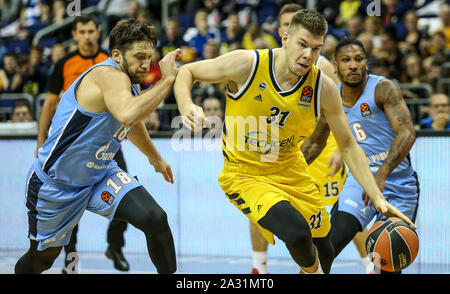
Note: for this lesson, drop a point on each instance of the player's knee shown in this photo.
(155, 222)
(344, 227)
(298, 238)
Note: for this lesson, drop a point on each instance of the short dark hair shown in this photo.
(20, 103)
(128, 31)
(311, 20)
(348, 41)
(289, 8)
(84, 19)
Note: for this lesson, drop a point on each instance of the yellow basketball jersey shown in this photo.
(263, 124)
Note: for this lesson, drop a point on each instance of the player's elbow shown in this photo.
(127, 118)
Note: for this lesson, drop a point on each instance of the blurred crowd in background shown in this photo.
(407, 41)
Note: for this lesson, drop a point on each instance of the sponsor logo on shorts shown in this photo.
(107, 197)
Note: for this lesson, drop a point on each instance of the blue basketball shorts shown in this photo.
(55, 209)
(401, 192)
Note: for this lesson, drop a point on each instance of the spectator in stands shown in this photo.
(9, 10)
(213, 8)
(367, 40)
(12, 81)
(374, 26)
(231, 34)
(58, 11)
(212, 107)
(30, 78)
(3, 51)
(394, 56)
(354, 26)
(86, 33)
(393, 12)
(413, 72)
(348, 9)
(432, 66)
(211, 50)
(380, 67)
(152, 122)
(444, 15)
(413, 36)
(118, 9)
(173, 37)
(439, 45)
(40, 66)
(58, 51)
(329, 45)
(196, 37)
(31, 12)
(254, 32)
(439, 112)
(21, 112)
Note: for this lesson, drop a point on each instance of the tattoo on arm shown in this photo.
(313, 146)
(389, 98)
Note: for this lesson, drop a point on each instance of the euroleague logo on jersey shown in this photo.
(107, 197)
(366, 113)
(307, 94)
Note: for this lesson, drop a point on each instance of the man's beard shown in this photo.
(133, 78)
(354, 84)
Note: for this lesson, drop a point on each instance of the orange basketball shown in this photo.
(392, 245)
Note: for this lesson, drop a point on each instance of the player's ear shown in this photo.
(116, 55)
(284, 38)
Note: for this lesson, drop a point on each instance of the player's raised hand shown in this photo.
(336, 162)
(168, 66)
(161, 166)
(194, 118)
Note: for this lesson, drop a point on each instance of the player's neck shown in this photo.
(350, 95)
(285, 78)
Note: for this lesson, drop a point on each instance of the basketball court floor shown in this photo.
(97, 263)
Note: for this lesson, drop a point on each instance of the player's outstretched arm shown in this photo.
(232, 68)
(140, 138)
(354, 156)
(128, 109)
(313, 146)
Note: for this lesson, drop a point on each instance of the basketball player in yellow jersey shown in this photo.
(274, 96)
(330, 183)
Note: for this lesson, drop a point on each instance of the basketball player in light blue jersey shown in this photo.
(381, 124)
(75, 170)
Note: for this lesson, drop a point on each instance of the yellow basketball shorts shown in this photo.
(255, 194)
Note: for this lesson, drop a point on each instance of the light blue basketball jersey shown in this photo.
(372, 129)
(75, 170)
(81, 144)
(374, 134)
